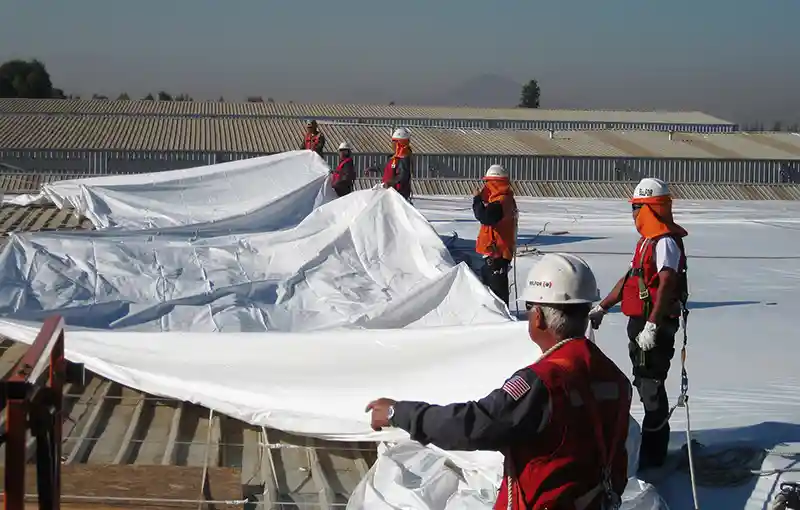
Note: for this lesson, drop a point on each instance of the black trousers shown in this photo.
(494, 274)
(650, 371)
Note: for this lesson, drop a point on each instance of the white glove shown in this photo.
(596, 315)
(647, 338)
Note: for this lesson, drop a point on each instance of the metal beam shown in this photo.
(169, 450)
(125, 445)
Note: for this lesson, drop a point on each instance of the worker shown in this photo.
(343, 178)
(397, 172)
(561, 423)
(496, 210)
(314, 139)
(653, 295)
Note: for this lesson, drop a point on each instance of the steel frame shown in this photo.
(34, 403)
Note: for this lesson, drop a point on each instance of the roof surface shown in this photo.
(263, 135)
(119, 442)
(303, 110)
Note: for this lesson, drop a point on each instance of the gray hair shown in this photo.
(566, 321)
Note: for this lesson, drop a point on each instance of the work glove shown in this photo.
(596, 315)
(646, 339)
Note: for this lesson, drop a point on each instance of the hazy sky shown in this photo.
(734, 58)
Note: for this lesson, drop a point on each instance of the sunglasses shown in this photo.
(528, 306)
(636, 207)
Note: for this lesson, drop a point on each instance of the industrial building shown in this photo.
(72, 145)
(388, 115)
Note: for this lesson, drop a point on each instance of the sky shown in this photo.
(732, 58)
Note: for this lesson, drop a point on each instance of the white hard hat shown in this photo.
(401, 134)
(496, 171)
(560, 279)
(344, 146)
(649, 188)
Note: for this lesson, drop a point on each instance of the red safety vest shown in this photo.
(641, 284)
(580, 455)
(389, 172)
(338, 174)
(311, 141)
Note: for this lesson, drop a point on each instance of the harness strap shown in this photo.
(607, 457)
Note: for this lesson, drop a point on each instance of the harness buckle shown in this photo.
(612, 501)
(644, 294)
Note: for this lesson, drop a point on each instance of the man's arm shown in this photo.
(488, 424)
(490, 214)
(615, 296)
(320, 143)
(668, 259)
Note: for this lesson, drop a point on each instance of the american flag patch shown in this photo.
(516, 387)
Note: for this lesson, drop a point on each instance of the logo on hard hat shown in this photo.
(645, 192)
(540, 283)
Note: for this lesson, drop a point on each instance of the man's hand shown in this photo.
(596, 315)
(384, 185)
(477, 191)
(647, 338)
(380, 412)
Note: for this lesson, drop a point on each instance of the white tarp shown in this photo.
(282, 271)
(367, 260)
(254, 194)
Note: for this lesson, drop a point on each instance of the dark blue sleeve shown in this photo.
(522, 404)
(488, 214)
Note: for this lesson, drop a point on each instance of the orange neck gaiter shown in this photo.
(655, 218)
(402, 149)
(494, 188)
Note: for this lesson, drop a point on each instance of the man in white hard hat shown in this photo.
(344, 176)
(653, 295)
(313, 140)
(496, 210)
(397, 172)
(561, 423)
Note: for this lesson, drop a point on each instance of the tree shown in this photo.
(795, 128)
(124, 97)
(100, 97)
(777, 126)
(148, 97)
(255, 99)
(270, 100)
(183, 97)
(530, 95)
(28, 79)
(164, 96)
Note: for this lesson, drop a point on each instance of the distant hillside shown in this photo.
(486, 90)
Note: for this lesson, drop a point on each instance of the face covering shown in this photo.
(655, 218)
(494, 189)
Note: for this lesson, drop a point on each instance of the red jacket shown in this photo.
(586, 432)
(341, 172)
(644, 274)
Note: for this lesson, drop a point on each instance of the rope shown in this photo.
(729, 466)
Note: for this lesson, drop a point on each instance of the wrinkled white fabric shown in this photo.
(253, 194)
(367, 260)
(409, 475)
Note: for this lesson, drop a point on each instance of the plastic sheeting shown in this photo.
(257, 246)
(232, 263)
(409, 475)
(255, 194)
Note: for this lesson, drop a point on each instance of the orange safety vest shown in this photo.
(500, 241)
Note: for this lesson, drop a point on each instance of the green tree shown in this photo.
(164, 96)
(28, 79)
(100, 97)
(124, 97)
(183, 97)
(255, 99)
(148, 97)
(221, 99)
(778, 126)
(530, 95)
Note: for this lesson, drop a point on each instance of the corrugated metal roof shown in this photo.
(118, 442)
(348, 111)
(262, 135)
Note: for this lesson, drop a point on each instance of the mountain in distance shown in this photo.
(483, 91)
